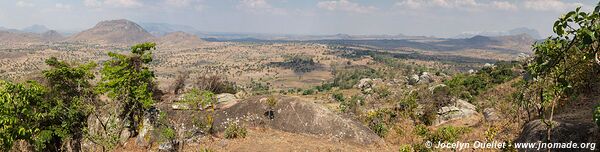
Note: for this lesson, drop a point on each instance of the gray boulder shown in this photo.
(459, 110)
(225, 97)
(414, 79)
(180, 106)
(491, 115)
(563, 132)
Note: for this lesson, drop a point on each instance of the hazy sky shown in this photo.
(443, 18)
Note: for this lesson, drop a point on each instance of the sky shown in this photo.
(440, 18)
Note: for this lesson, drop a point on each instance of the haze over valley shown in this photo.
(315, 75)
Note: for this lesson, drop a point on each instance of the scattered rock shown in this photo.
(241, 94)
(464, 104)
(425, 78)
(414, 79)
(460, 110)
(167, 147)
(365, 83)
(436, 86)
(180, 106)
(490, 114)
(225, 97)
(125, 134)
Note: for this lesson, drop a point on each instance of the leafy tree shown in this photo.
(47, 117)
(71, 94)
(23, 107)
(566, 62)
(127, 79)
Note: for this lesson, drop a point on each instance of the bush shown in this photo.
(447, 134)
(338, 96)
(235, 131)
(421, 130)
(347, 78)
(271, 102)
(408, 104)
(467, 86)
(351, 104)
(299, 64)
(382, 90)
(216, 85)
(377, 119)
(200, 98)
(308, 92)
(259, 88)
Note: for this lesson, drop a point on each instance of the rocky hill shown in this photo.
(51, 36)
(113, 32)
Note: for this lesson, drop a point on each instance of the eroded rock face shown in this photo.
(295, 115)
(461, 109)
(563, 132)
(491, 114)
(225, 97)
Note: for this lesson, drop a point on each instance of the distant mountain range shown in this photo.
(168, 35)
(14, 37)
(127, 32)
(36, 28)
(531, 32)
(160, 29)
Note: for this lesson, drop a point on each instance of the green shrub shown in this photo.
(447, 134)
(421, 130)
(351, 104)
(338, 96)
(234, 130)
(376, 120)
(324, 87)
(405, 148)
(308, 92)
(347, 78)
(259, 88)
(167, 134)
(467, 86)
(199, 98)
(382, 90)
(408, 104)
(380, 129)
(216, 84)
(271, 101)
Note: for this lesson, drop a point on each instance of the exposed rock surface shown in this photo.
(491, 114)
(563, 132)
(461, 109)
(295, 115)
(225, 97)
(414, 79)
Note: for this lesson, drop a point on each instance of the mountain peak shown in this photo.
(120, 31)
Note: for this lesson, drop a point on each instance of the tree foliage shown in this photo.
(568, 62)
(127, 79)
(47, 117)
